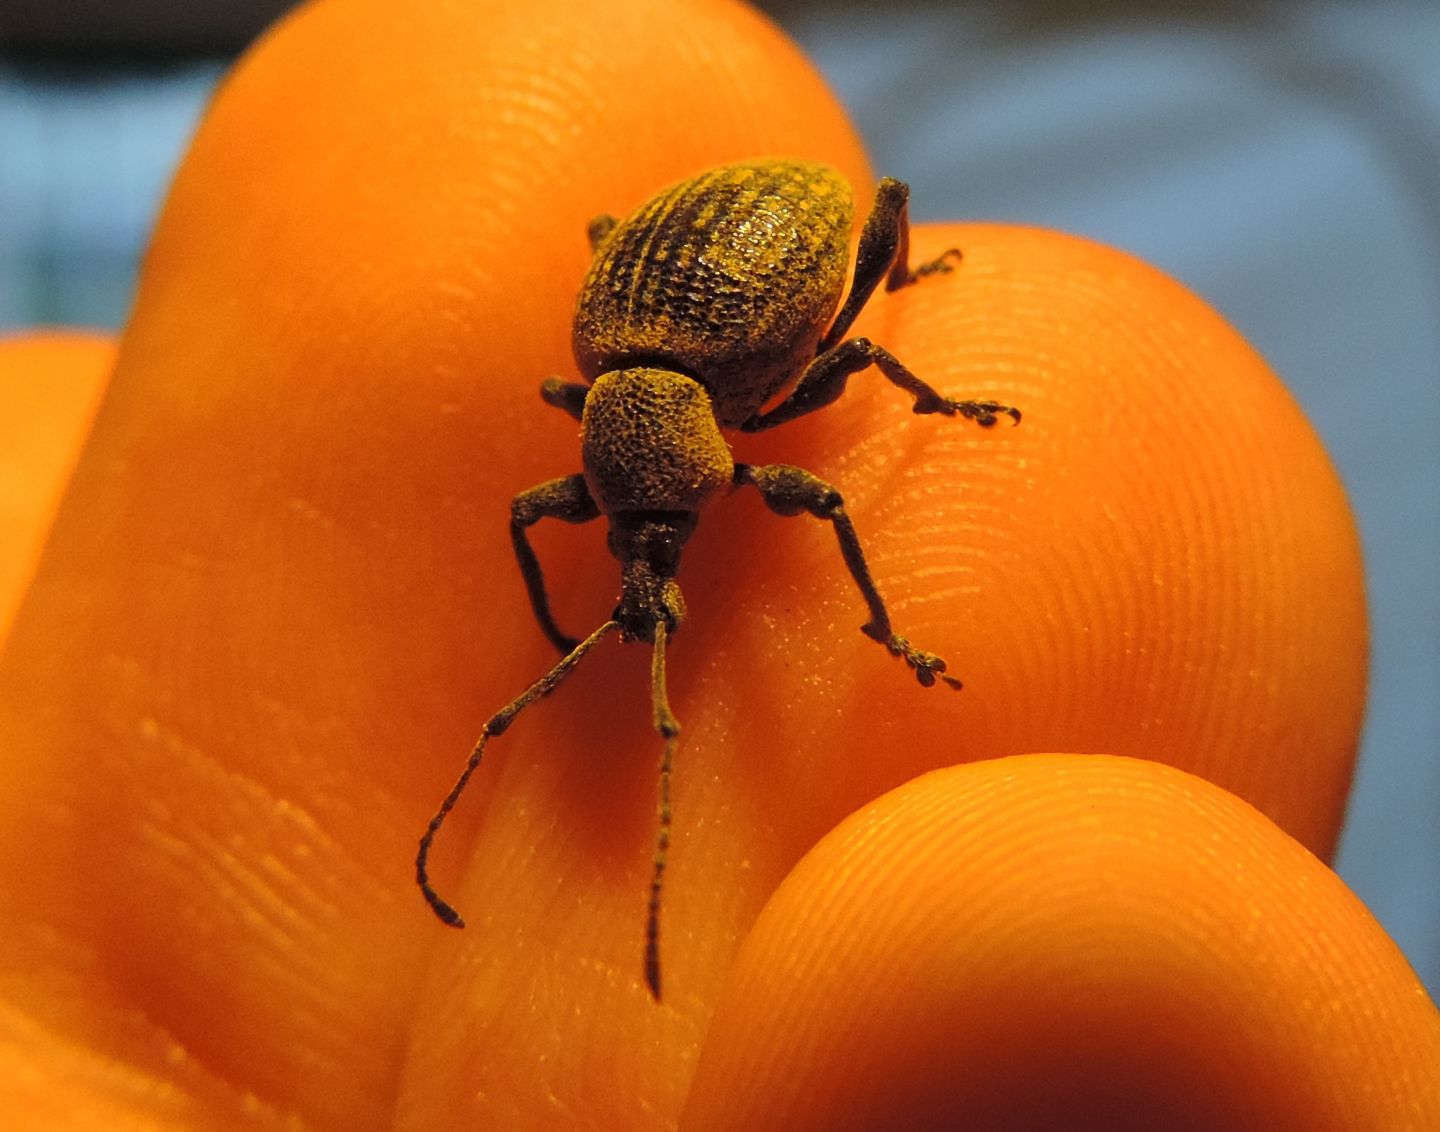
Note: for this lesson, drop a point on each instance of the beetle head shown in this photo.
(648, 546)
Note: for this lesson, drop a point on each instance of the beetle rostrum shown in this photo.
(699, 308)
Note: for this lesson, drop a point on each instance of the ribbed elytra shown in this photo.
(699, 307)
(730, 277)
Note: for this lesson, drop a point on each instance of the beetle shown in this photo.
(698, 309)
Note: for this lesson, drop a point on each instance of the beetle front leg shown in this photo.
(567, 499)
(788, 490)
(824, 380)
(567, 395)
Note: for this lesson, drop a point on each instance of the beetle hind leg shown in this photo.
(884, 253)
(788, 490)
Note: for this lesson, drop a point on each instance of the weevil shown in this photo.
(698, 309)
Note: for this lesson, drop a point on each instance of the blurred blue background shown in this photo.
(1282, 159)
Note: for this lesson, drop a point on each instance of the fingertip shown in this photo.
(51, 382)
(1180, 569)
(1067, 941)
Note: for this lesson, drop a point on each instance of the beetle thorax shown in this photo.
(650, 442)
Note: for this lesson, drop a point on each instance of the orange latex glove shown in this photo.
(279, 601)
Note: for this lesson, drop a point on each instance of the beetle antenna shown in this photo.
(494, 726)
(669, 728)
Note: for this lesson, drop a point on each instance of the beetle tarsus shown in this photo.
(986, 414)
(446, 913)
(942, 264)
(928, 666)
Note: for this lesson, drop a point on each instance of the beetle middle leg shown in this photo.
(567, 499)
(824, 380)
(788, 490)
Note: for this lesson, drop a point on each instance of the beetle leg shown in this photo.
(901, 274)
(884, 248)
(884, 253)
(824, 380)
(788, 490)
(567, 395)
(942, 264)
(599, 228)
(567, 499)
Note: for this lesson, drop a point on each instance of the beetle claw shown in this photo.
(928, 667)
(986, 414)
(941, 265)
